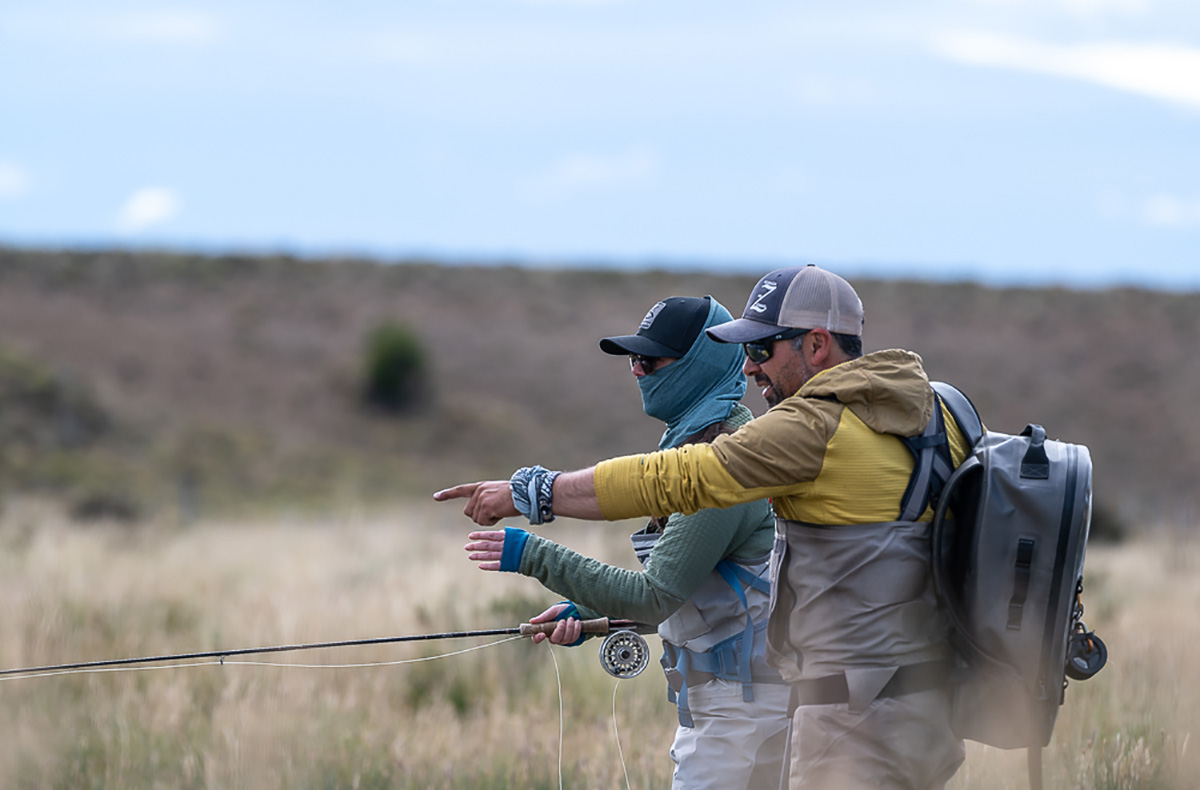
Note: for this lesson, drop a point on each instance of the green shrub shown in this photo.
(395, 368)
(106, 505)
(41, 407)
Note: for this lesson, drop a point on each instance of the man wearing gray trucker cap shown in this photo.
(854, 623)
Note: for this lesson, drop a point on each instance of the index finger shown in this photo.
(492, 535)
(461, 491)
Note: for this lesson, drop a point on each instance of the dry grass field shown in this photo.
(420, 718)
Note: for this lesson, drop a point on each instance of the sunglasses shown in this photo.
(648, 363)
(759, 351)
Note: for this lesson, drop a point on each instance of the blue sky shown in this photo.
(1007, 141)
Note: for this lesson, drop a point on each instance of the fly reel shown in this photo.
(624, 654)
(1086, 654)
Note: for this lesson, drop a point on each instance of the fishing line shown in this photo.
(215, 663)
(623, 654)
(617, 735)
(562, 718)
(561, 715)
(372, 663)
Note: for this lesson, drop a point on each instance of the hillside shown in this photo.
(149, 381)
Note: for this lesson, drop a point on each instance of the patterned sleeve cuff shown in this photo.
(533, 493)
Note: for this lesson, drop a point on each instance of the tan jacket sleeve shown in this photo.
(777, 454)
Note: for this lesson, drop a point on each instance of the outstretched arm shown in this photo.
(678, 564)
(490, 501)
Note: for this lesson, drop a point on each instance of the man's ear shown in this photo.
(823, 346)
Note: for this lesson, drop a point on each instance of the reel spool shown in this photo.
(1086, 654)
(624, 654)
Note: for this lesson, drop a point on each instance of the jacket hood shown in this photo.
(887, 390)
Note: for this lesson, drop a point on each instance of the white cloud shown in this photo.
(171, 26)
(574, 2)
(148, 206)
(1171, 211)
(1166, 72)
(589, 173)
(403, 47)
(820, 90)
(14, 181)
(88, 26)
(608, 37)
(1081, 7)
(1160, 210)
(1089, 7)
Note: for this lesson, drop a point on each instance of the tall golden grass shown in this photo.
(487, 718)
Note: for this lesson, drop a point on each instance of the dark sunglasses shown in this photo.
(759, 351)
(648, 363)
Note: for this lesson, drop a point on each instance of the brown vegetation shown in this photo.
(210, 381)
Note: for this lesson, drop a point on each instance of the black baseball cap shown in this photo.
(796, 297)
(668, 330)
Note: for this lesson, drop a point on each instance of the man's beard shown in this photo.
(774, 395)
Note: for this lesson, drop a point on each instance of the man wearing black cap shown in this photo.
(704, 581)
(854, 622)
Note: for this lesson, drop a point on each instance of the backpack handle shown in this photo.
(1035, 465)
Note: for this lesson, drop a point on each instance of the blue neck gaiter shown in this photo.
(697, 389)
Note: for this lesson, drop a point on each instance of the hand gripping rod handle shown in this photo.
(600, 625)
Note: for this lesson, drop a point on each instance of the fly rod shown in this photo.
(600, 625)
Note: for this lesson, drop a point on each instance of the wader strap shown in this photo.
(733, 573)
(729, 659)
(725, 660)
(726, 567)
(684, 667)
(833, 689)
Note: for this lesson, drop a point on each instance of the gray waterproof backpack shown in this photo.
(1009, 533)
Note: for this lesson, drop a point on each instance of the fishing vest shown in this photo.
(720, 631)
(850, 606)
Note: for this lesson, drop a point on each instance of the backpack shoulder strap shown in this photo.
(930, 466)
(931, 449)
(966, 416)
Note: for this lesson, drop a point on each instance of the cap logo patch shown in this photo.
(768, 287)
(650, 316)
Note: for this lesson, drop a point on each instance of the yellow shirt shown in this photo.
(830, 454)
